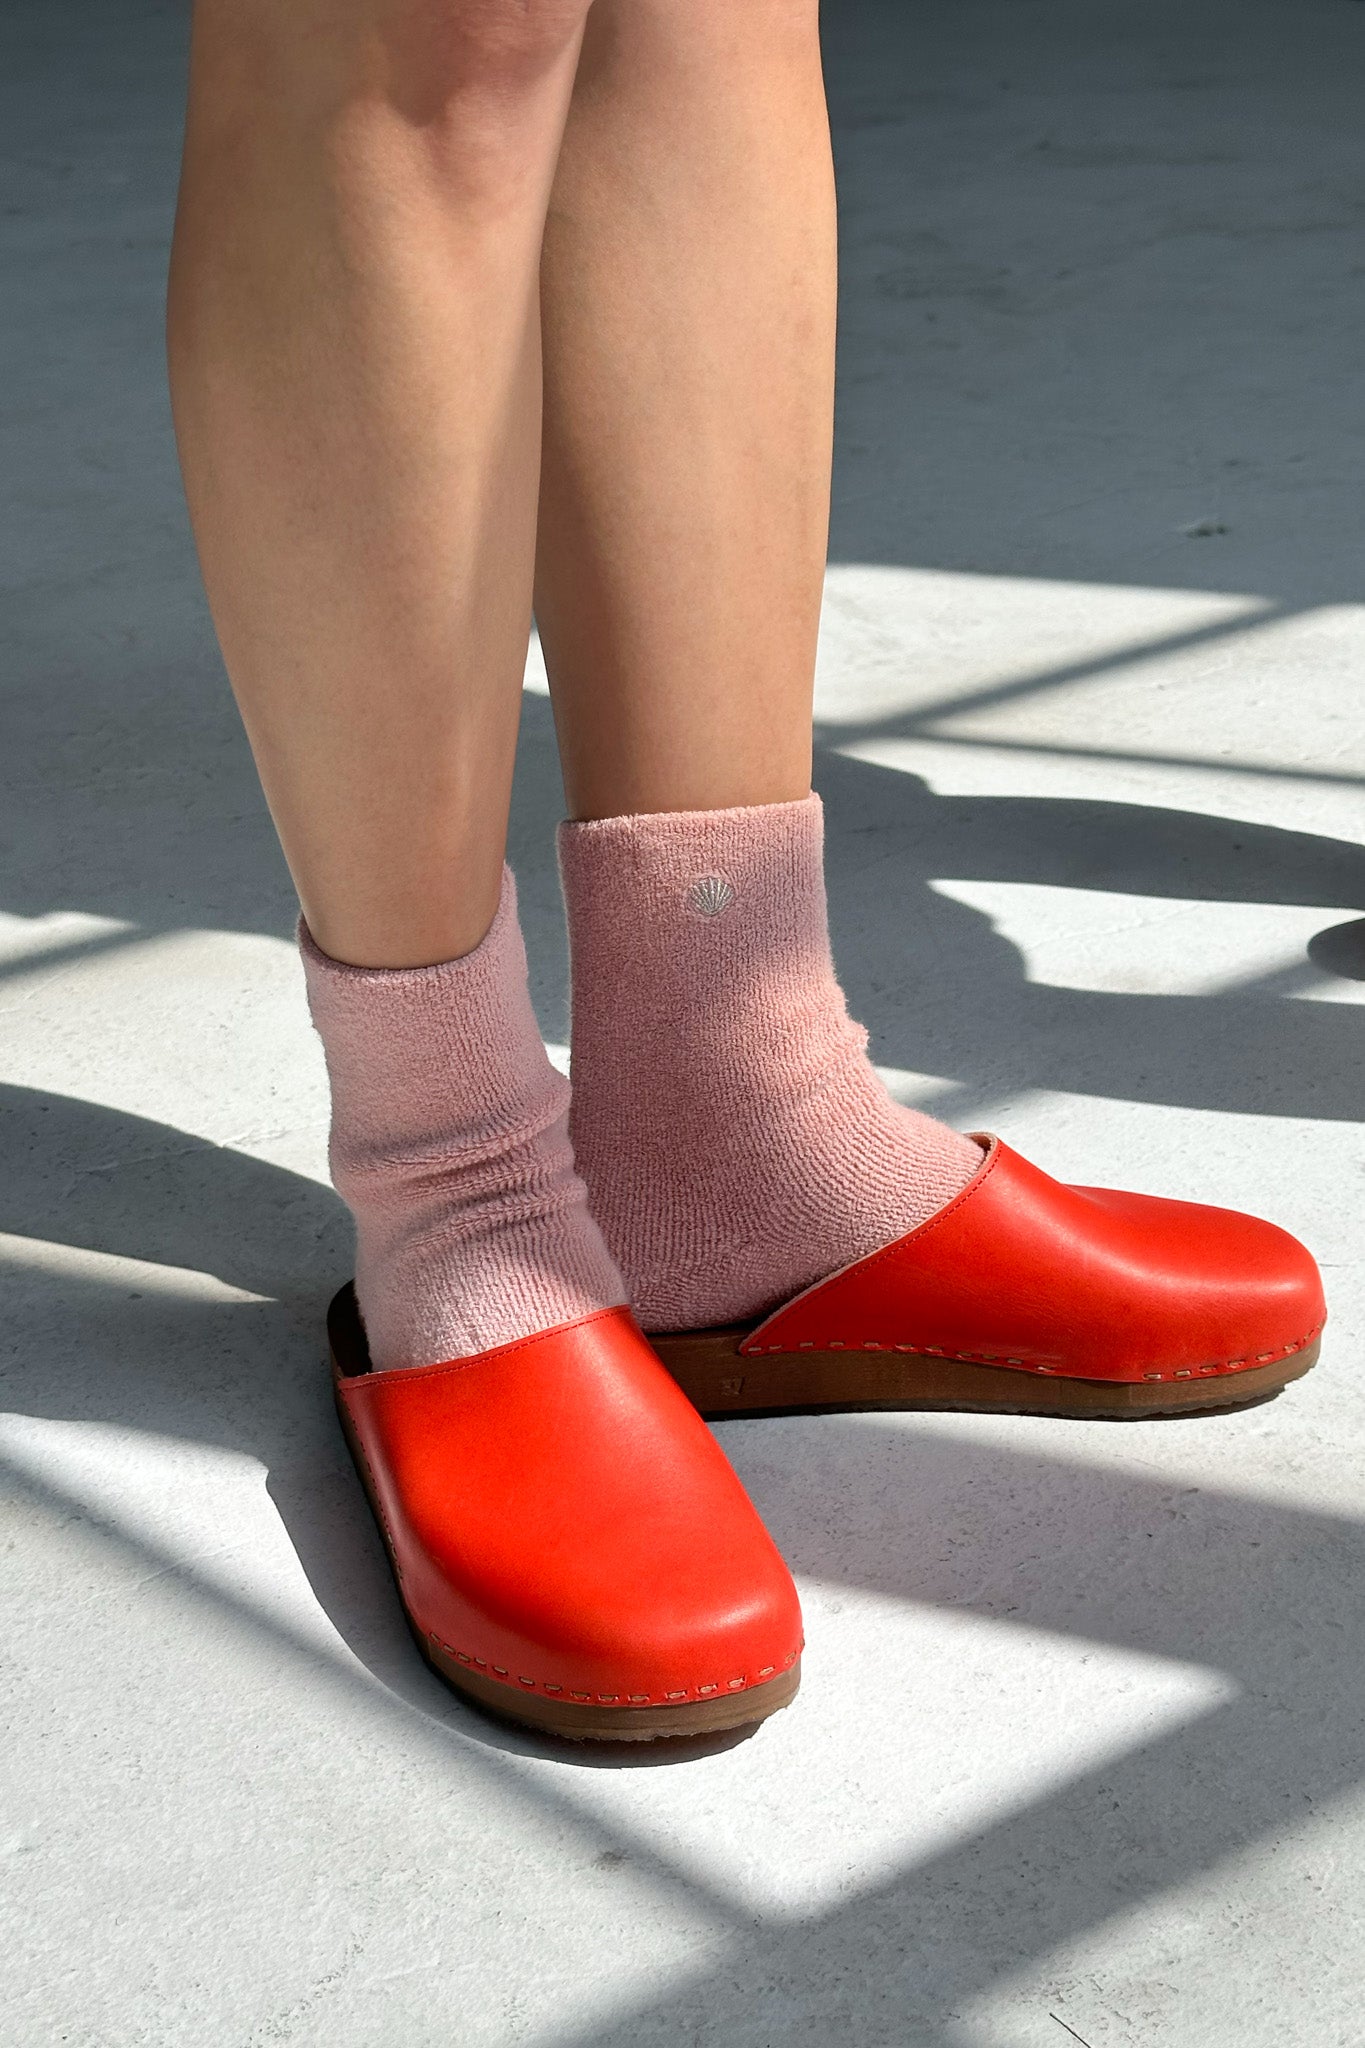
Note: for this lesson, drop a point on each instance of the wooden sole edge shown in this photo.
(576, 1723)
(720, 1381)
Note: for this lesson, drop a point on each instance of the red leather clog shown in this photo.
(570, 1544)
(1027, 1296)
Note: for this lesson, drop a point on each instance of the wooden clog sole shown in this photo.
(720, 1380)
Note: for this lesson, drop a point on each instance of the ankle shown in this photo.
(450, 1146)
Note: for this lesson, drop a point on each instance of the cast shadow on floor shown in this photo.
(941, 990)
(1271, 1597)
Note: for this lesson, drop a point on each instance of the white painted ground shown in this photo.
(1080, 1745)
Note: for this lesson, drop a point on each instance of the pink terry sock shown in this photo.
(450, 1145)
(735, 1140)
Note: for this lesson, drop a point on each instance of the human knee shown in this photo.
(497, 35)
(438, 51)
(256, 59)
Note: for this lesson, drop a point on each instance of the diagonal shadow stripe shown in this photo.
(908, 724)
(944, 992)
(52, 961)
(419, 1701)
(895, 1965)
(1272, 1595)
(1222, 764)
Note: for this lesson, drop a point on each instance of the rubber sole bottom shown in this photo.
(719, 1381)
(567, 1719)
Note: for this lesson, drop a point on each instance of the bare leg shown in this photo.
(688, 305)
(355, 357)
(355, 362)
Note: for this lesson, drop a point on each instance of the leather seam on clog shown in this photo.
(405, 1374)
(932, 1223)
(1051, 1371)
(503, 1674)
(869, 1259)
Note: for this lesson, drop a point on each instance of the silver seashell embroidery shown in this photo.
(710, 896)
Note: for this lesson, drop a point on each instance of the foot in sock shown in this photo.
(736, 1142)
(450, 1146)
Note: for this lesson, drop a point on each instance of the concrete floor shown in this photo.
(1079, 1754)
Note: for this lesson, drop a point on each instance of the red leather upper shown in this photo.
(562, 1520)
(1023, 1271)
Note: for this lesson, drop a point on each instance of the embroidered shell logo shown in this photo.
(710, 896)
